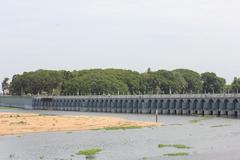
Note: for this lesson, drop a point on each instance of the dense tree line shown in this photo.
(118, 81)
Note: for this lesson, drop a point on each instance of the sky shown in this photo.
(202, 35)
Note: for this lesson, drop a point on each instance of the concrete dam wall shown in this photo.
(24, 102)
(204, 104)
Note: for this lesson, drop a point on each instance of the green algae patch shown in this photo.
(176, 154)
(179, 146)
(89, 152)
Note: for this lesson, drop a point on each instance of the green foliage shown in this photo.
(116, 81)
(212, 83)
(89, 152)
(235, 87)
(162, 81)
(193, 80)
(36, 82)
(5, 85)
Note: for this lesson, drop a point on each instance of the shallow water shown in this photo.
(214, 138)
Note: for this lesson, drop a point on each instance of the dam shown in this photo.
(227, 105)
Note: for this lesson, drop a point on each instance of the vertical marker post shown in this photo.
(156, 115)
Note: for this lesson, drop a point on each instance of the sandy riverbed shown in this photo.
(19, 123)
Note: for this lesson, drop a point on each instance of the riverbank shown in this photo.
(21, 123)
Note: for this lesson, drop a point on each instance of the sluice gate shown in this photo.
(194, 104)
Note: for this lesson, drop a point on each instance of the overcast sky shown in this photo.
(202, 35)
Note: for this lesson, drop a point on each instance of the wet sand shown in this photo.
(20, 123)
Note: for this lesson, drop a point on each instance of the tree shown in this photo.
(162, 81)
(228, 89)
(114, 81)
(235, 86)
(193, 80)
(5, 85)
(16, 85)
(212, 83)
(149, 70)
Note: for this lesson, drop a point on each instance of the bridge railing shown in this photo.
(149, 96)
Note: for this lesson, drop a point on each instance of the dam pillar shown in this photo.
(206, 107)
(78, 104)
(236, 106)
(135, 106)
(98, 105)
(85, 105)
(193, 107)
(130, 106)
(148, 106)
(186, 107)
(160, 106)
(109, 105)
(200, 107)
(172, 107)
(124, 106)
(105, 102)
(223, 108)
(230, 108)
(113, 106)
(166, 104)
(209, 107)
(154, 106)
(95, 105)
(101, 105)
(119, 105)
(144, 106)
(180, 106)
(216, 107)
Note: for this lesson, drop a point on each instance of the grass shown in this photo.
(179, 146)
(89, 152)
(122, 127)
(176, 154)
(221, 125)
(13, 108)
